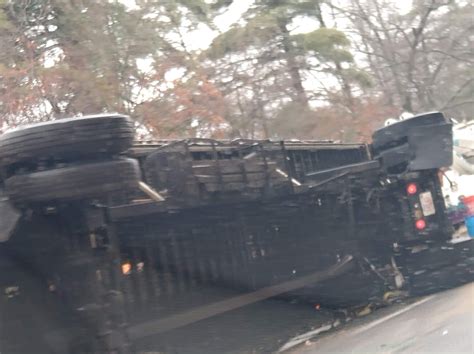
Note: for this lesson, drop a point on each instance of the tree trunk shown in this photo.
(293, 69)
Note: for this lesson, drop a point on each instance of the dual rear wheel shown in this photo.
(89, 147)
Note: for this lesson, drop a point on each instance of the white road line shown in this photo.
(392, 315)
(309, 335)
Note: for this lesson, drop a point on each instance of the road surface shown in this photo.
(440, 323)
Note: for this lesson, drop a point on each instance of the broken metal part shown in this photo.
(293, 180)
(150, 192)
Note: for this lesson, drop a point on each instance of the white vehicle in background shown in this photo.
(463, 159)
(461, 174)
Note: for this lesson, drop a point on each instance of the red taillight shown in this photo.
(420, 224)
(412, 188)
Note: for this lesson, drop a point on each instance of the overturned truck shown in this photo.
(106, 243)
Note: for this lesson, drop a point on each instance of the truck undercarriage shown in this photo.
(117, 254)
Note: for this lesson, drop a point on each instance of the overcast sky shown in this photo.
(202, 37)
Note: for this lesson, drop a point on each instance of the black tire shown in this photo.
(74, 183)
(389, 136)
(67, 138)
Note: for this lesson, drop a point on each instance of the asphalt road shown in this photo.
(440, 323)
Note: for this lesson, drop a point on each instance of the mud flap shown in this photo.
(9, 217)
(420, 143)
(388, 136)
(432, 146)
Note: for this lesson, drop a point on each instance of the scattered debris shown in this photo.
(364, 311)
(12, 291)
(394, 295)
(305, 337)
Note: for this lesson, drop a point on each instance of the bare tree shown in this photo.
(420, 59)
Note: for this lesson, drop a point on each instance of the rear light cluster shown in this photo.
(412, 188)
(420, 223)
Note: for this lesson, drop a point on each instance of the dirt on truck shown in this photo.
(108, 243)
